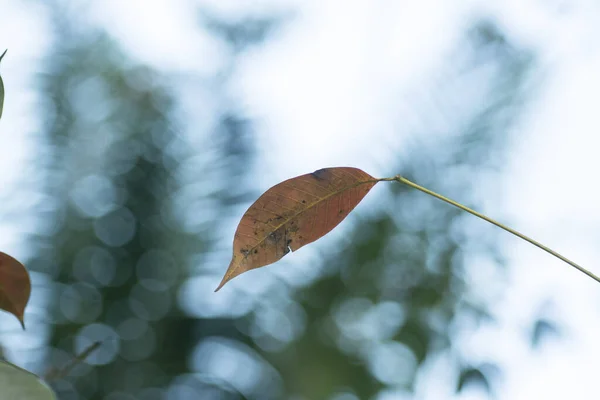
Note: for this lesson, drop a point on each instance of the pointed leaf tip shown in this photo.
(15, 287)
(229, 275)
(21, 319)
(223, 282)
(294, 213)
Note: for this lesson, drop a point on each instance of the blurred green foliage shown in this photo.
(132, 217)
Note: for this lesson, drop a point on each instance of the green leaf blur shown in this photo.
(136, 196)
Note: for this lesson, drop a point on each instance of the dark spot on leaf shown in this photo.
(303, 201)
(320, 174)
(244, 252)
(255, 251)
(276, 236)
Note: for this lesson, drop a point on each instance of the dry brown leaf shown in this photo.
(294, 213)
(15, 286)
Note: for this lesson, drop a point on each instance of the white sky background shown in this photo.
(550, 187)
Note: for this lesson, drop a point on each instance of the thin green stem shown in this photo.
(401, 179)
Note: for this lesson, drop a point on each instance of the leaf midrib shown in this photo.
(309, 207)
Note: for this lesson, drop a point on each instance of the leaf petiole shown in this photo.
(405, 181)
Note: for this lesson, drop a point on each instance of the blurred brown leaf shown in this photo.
(294, 213)
(15, 286)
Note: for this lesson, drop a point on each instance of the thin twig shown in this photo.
(55, 374)
(401, 179)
